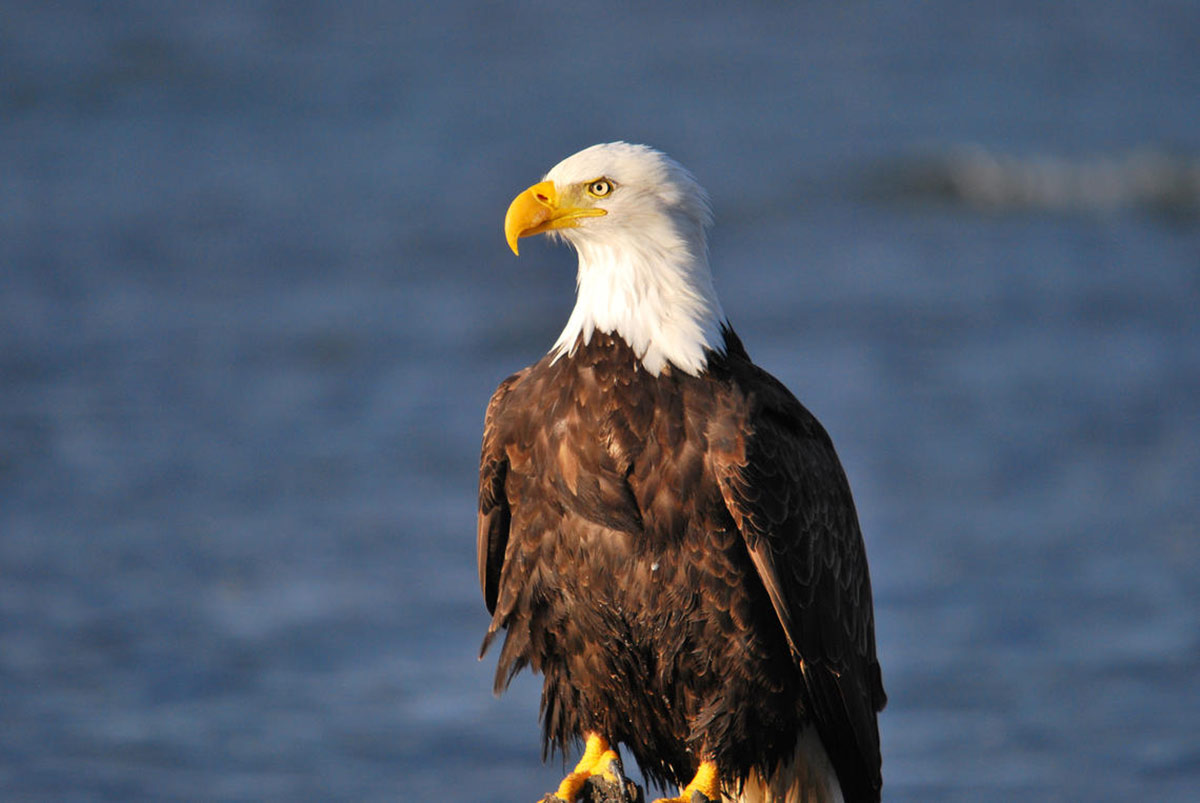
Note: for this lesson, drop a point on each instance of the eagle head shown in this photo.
(609, 191)
(639, 221)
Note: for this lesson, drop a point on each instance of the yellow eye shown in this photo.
(600, 188)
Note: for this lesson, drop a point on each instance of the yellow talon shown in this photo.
(597, 759)
(707, 782)
(605, 764)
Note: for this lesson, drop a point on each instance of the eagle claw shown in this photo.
(597, 778)
(598, 789)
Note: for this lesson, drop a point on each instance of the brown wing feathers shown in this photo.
(786, 491)
(494, 514)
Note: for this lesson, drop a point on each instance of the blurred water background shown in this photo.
(254, 297)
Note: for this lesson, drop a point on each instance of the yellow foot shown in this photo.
(707, 782)
(598, 759)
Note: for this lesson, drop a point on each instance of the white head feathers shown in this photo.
(643, 266)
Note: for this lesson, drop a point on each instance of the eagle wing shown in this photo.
(494, 514)
(786, 491)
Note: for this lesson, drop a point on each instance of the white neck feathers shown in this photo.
(653, 288)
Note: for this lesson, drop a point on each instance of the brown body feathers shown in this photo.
(679, 556)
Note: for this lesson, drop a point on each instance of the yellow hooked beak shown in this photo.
(537, 210)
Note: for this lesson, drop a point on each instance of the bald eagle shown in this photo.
(665, 533)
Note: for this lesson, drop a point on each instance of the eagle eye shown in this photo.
(600, 188)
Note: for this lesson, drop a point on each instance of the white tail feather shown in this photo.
(808, 778)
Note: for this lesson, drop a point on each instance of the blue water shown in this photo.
(254, 297)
